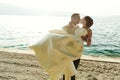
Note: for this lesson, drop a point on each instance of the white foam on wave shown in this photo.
(85, 57)
(29, 51)
(102, 58)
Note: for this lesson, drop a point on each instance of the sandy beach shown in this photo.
(21, 66)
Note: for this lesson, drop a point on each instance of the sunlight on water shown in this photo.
(32, 23)
(19, 31)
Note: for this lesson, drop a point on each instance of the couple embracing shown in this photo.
(59, 51)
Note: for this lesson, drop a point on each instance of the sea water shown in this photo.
(18, 32)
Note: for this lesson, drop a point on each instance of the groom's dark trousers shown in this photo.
(76, 63)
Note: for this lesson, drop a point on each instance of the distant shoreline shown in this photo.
(85, 57)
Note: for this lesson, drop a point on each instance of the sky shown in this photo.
(60, 7)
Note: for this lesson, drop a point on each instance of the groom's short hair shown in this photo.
(75, 15)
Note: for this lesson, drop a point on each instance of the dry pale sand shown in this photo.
(16, 66)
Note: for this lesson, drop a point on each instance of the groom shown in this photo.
(70, 28)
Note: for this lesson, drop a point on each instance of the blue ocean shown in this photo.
(18, 32)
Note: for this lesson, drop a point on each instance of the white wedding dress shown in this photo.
(56, 51)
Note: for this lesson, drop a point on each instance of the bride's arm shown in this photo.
(89, 37)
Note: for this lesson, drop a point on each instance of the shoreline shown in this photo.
(84, 57)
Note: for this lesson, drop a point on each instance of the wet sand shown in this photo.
(20, 66)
